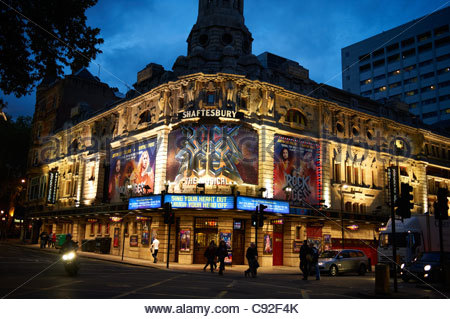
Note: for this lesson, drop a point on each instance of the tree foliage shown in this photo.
(38, 38)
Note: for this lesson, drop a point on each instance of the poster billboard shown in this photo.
(297, 170)
(213, 155)
(132, 170)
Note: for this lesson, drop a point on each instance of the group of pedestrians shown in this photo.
(48, 240)
(211, 252)
(309, 259)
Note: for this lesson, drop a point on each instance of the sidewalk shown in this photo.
(193, 268)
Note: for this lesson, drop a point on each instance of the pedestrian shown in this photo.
(49, 242)
(305, 259)
(54, 240)
(210, 254)
(155, 247)
(44, 238)
(221, 253)
(252, 259)
(315, 260)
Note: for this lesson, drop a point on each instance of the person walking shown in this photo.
(221, 253)
(315, 260)
(155, 247)
(252, 259)
(49, 242)
(44, 238)
(305, 259)
(210, 254)
(54, 240)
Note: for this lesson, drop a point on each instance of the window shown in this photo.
(411, 93)
(425, 63)
(408, 53)
(410, 80)
(428, 115)
(42, 186)
(298, 233)
(364, 67)
(424, 36)
(210, 98)
(355, 208)
(356, 175)
(364, 57)
(443, 57)
(441, 30)
(393, 58)
(378, 52)
(409, 68)
(444, 98)
(425, 47)
(33, 191)
(145, 117)
(394, 85)
(295, 116)
(427, 75)
(441, 42)
(366, 93)
(394, 73)
(67, 191)
(349, 174)
(413, 105)
(368, 81)
(429, 101)
(428, 88)
(382, 89)
(378, 63)
(348, 207)
(374, 179)
(379, 77)
(392, 47)
(443, 71)
(363, 176)
(407, 42)
(444, 84)
(337, 172)
(403, 171)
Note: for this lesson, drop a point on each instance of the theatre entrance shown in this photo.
(238, 245)
(205, 230)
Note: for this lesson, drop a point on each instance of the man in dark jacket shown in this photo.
(44, 239)
(251, 255)
(315, 260)
(305, 259)
(210, 254)
(221, 253)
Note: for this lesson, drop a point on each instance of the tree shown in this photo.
(41, 37)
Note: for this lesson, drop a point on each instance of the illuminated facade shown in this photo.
(223, 128)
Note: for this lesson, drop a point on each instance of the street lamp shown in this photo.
(343, 186)
(288, 192)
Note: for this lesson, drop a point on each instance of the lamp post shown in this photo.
(287, 192)
(343, 186)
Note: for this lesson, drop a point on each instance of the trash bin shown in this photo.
(84, 244)
(105, 246)
(98, 244)
(60, 240)
(382, 279)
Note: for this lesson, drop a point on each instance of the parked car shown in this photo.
(335, 262)
(426, 266)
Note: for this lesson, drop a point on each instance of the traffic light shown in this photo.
(254, 219)
(403, 203)
(261, 215)
(441, 206)
(169, 216)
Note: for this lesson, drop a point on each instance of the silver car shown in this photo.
(341, 261)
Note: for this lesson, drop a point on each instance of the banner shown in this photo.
(132, 170)
(297, 170)
(213, 155)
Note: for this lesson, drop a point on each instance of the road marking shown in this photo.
(146, 287)
(62, 285)
(221, 294)
(231, 285)
(304, 294)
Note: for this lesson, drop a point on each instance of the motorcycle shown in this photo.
(70, 262)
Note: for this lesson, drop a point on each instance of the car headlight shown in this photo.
(69, 256)
(427, 268)
(402, 266)
(320, 263)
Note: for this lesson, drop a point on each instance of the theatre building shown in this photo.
(221, 133)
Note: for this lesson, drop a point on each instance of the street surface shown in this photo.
(31, 273)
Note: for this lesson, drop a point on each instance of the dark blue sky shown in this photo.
(137, 32)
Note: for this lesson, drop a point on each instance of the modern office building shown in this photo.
(410, 63)
(221, 133)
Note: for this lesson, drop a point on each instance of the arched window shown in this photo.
(296, 117)
(145, 117)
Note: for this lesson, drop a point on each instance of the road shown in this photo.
(30, 273)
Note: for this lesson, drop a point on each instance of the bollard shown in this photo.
(382, 279)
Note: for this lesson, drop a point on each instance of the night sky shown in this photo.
(312, 33)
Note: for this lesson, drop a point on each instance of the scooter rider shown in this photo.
(68, 245)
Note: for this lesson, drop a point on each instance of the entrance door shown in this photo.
(238, 247)
(202, 239)
(278, 249)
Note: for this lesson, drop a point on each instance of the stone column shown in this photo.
(266, 149)
(422, 190)
(161, 160)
